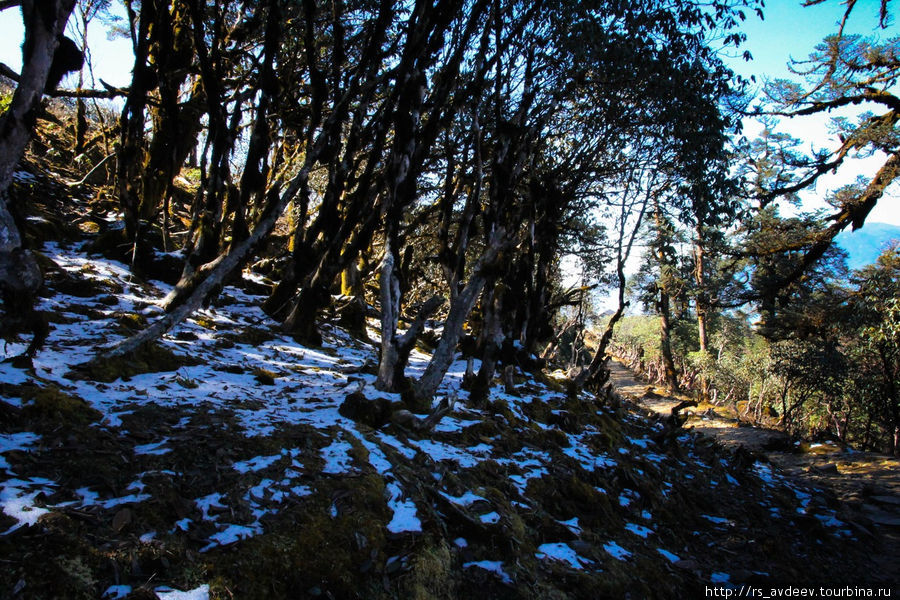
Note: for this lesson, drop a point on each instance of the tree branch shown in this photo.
(109, 92)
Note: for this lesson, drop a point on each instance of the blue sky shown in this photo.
(113, 60)
(791, 30)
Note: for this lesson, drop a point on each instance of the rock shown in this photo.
(880, 517)
(581, 546)
(859, 529)
(374, 413)
(889, 500)
(826, 469)
(121, 519)
(687, 564)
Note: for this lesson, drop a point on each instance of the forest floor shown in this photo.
(218, 463)
(866, 484)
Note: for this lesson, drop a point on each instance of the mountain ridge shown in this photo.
(867, 243)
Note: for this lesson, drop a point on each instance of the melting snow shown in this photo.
(200, 593)
(640, 442)
(466, 458)
(669, 556)
(337, 457)
(19, 505)
(115, 592)
(231, 534)
(494, 566)
(405, 518)
(490, 518)
(616, 551)
(154, 448)
(255, 464)
(148, 537)
(403, 449)
(589, 459)
(572, 525)
(307, 390)
(638, 530)
(15, 441)
(562, 553)
(206, 503)
(467, 499)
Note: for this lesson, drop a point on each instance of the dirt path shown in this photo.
(866, 484)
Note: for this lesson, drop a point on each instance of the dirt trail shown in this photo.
(866, 484)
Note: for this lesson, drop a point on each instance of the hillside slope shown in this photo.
(218, 462)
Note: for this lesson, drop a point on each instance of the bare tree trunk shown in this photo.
(390, 319)
(460, 308)
(395, 352)
(131, 152)
(492, 338)
(215, 271)
(596, 374)
(45, 20)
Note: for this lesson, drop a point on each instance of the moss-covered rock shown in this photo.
(49, 404)
(150, 358)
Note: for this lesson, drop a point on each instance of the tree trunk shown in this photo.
(20, 276)
(665, 344)
(460, 308)
(353, 313)
(596, 374)
(395, 356)
(702, 305)
(214, 273)
(131, 152)
(492, 338)
(390, 319)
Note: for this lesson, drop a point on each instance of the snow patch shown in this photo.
(669, 556)
(337, 457)
(638, 530)
(562, 553)
(490, 518)
(156, 448)
(200, 593)
(493, 566)
(256, 463)
(116, 592)
(20, 505)
(405, 518)
(616, 551)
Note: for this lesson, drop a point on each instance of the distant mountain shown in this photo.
(864, 245)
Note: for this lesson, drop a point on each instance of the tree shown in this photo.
(20, 276)
(876, 314)
(319, 135)
(843, 70)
